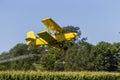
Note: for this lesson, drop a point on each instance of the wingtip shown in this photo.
(46, 18)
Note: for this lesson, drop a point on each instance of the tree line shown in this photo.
(80, 56)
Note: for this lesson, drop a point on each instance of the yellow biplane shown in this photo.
(53, 35)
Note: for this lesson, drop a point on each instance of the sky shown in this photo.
(99, 20)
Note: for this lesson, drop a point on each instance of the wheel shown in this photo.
(61, 45)
(65, 48)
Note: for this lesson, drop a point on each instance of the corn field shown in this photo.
(38, 75)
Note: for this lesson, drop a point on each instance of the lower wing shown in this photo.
(50, 39)
(47, 37)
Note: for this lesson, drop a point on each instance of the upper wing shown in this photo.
(52, 25)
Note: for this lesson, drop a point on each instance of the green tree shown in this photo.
(31, 55)
(78, 57)
(117, 55)
(52, 60)
(48, 61)
(19, 49)
(104, 57)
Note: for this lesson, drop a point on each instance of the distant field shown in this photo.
(38, 75)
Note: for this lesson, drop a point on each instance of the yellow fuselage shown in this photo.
(64, 36)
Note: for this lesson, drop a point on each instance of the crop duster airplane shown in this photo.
(57, 38)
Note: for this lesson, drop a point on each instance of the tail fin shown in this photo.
(30, 37)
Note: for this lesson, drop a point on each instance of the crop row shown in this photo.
(38, 75)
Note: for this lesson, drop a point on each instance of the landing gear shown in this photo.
(63, 46)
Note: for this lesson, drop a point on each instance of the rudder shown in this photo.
(30, 37)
